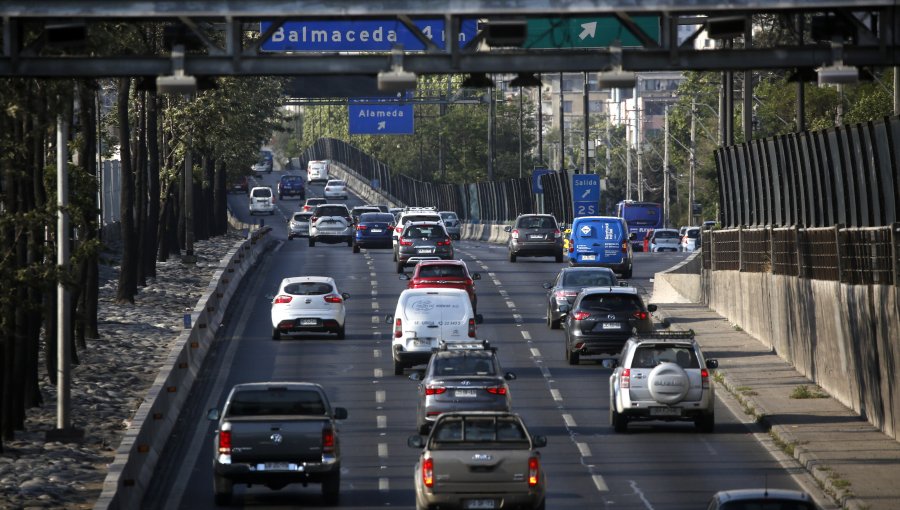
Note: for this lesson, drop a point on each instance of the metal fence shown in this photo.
(859, 256)
(845, 175)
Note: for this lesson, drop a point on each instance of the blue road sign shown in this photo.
(380, 118)
(536, 186)
(584, 209)
(585, 194)
(360, 35)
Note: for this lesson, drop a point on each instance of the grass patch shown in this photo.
(736, 327)
(719, 377)
(803, 392)
(786, 447)
(746, 390)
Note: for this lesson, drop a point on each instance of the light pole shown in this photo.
(562, 126)
(666, 196)
(692, 163)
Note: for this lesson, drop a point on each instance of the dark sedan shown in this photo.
(422, 240)
(373, 230)
(568, 284)
(602, 319)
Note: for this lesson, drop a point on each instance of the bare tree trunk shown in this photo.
(127, 275)
(91, 278)
(220, 200)
(36, 198)
(140, 202)
(153, 194)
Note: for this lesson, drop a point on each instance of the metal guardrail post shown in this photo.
(799, 251)
(895, 252)
(740, 249)
(838, 254)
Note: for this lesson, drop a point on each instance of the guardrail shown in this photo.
(136, 457)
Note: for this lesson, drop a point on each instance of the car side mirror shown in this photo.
(415, 376)
(547, 286)
(651, 308)
(632, 236)
(340, 413)
(539, 441)
(415, 442)
(507, 229)
(403, 276)
(478, 318)
(212, 415)
(345, 296)
(510, 376)
(476, 276)
(388, 319)
(712, 364)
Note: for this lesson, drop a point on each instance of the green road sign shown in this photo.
(595, 32)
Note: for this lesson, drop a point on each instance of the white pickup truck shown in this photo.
(275, 434)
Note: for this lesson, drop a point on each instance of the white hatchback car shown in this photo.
(336, 188)
(308, 303)
(262, 200)
(665, 239)
(690, 242)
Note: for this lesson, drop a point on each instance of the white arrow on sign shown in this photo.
(382, 125)
(586, 193)
(588, 30)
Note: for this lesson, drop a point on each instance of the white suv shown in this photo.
(662, 376)
(413, 214)
(262, 200)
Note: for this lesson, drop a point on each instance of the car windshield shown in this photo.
(475, 432)
(441, 271)
(277, 402)
(376, 217)
(610, 303)
(588, 279)
(425, 232)
(536, 222)
(648, 356)
(766, 504)
(462, 365)
(307, 288)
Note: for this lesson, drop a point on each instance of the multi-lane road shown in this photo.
(654, 466)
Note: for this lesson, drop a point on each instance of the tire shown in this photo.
(706, 423)
(400, 266)
(542, 506)
(355, 248)
(276, 335)
(312, 242)
(627, 274)
(398, 368)
(342, 333)
(290, 238)
(331, 489)
(551, 323)
(424, 429)
(349, 242)
(512, 257)
(559, 257)
(222, 490)
(618, 422)
(420, 506)
(572, 357)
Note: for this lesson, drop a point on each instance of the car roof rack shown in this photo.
(665, 335)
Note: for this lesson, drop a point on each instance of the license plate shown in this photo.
(464, 394)
(276, 466)
(610, 325)
(535, 236)
(480, 503)
(308, 322)
(588, 257)
(425, 250)
(377, 231)
(665, 411)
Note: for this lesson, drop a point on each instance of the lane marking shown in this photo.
(373, 274)
(709, 447)
(584, 449)
(526, 335)
(510, 304)
(374, 305)
(536, 353)
(381, 421)
(374, 292)
(517, 318)
(600, 483)
(640, 494)
(556, 395)
(384, 484)
(379, 396)
(378, 372)
(492, 275)
(376, 353)
(504, 293)
(545, 372)
(382, 450)
(570, 421)
(375, 319)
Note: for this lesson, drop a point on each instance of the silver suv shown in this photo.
(662, 376)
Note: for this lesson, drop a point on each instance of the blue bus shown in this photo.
(641, 218)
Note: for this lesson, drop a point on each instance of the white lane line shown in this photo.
(640, 494)
(517, 318)
(709, 447)
(378, 372)
(373, 274)
(382, 450)
(379, 396)
(570, 422)
(556, 395)
(536, 353)
(545, 372)
(492, 275)
(376, 319)
(526, 335)
(600, 483)
(584, 449)
(374, 305)
(384, 484)
(381, 421)
(376, 353)
(504, 293)
(374, 292)
(510, 304)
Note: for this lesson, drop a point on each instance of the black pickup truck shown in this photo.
(275, 434)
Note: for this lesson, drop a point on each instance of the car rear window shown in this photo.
(693, 233)
(666, 235)
(463, 365)
(587, 279)
(302, 216)
(331, 210)
(436, 271)
(291, 178)
(308, 288)
(416, 217)
(476, 431)
(315, 201)
(536, 222)
(425, 232)
(448, 215)
(262, 193)
(648, 356)
(766, 504)
(277, 402)
(377, 217)
(611, 303)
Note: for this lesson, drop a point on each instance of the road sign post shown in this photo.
(585, 195)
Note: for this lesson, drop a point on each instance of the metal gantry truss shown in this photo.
(221, 28)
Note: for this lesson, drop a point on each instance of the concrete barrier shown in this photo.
(680, 283)
(136, 457)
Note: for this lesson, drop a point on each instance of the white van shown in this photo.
(317, 171)
(424, 318)
(262, 200)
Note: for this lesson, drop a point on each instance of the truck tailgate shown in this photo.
(258, 439)
(481, 470)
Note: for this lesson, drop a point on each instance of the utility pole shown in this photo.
(521, 128)
(608, 145)
(640, 153)
(666, 196)
(540, 116)
(748, 86)
(491, 113)
(562, 127)
(629, 136)
(692, 163)
(586, 167)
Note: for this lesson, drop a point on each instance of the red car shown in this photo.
(452, 274)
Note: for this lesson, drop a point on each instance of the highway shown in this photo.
(654, 466)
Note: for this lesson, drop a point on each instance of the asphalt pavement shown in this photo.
(853, 461)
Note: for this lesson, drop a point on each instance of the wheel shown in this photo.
(290, 238)
(512, 257)
(553, 323)
(399, 267)
(559, 257)
(341, 333)
(627, 274)
(706, 423)
(398, 368)
(276, 335)
(312, 242)
(355, 248)
(542, 506)
(222, 489)
(349, 242)
(331, 489)
(424, 429)
(572, 357)
(619, 423)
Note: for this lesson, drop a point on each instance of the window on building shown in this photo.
(567, 106)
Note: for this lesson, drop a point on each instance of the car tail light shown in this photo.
(428, 472)
(471, 328)
(333, 298)
(625, 247)
(404, 242)
(704, 378)
(625, 378)
(435, 390)
(398, 328)
(282, 299)
(361, 227)
(571, 247)
(391, 228)
(640, 315)
(445, 242)
(312, 219)
(225, 442)
(557, 234)
(514, 234)
(328, 440)
(565, 294)
(496, 390)
(534, 468)
(580, 316)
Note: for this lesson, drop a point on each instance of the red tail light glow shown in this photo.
(564, 294)
(390, 227)
(625, 378)
(428, 472)
(580, 316)
(312, 219)
(497, 390)
(625, 247)
(534, 467)
(398, 328)
(333, 298)
(641, 315)
(557, 234)
(328, 440)
(514, 234)
(225, 442)
(282, 299)
(704, 378)
(361, 227)
(571, 247)
(471, 328)
(445, 242)
(404, 242)
(435, 390)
